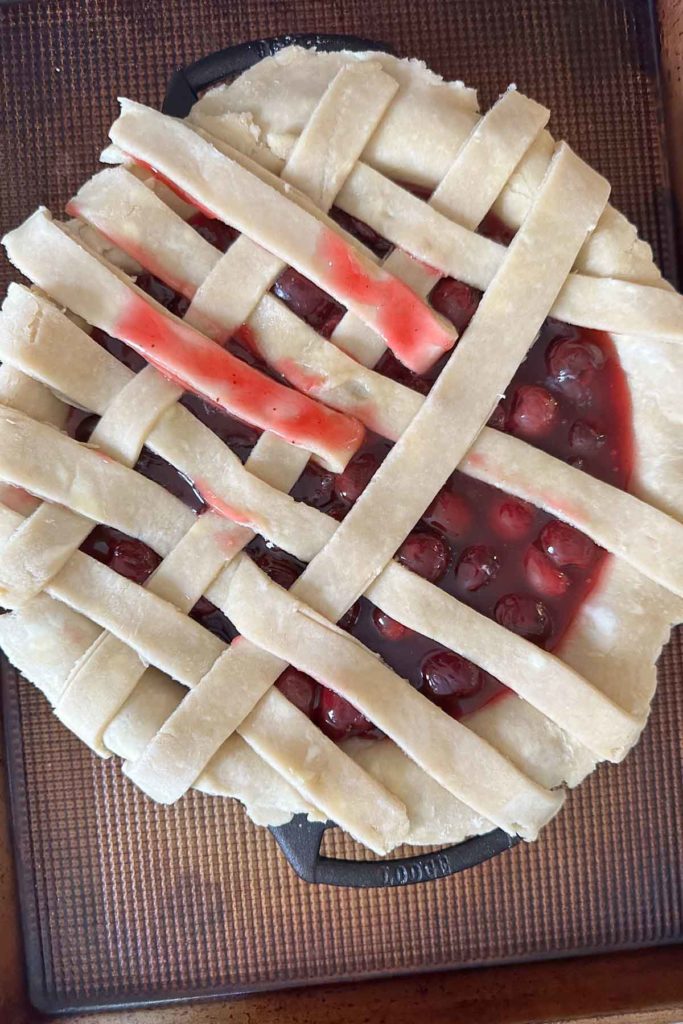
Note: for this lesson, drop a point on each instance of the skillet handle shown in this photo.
(300, 841)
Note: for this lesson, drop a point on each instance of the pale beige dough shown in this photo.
(620, 628)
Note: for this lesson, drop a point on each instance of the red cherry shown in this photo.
(337, 510)
(308, 301)
(350, 618)
(350, 484)
(128, 356)
(318, 484)
(534, 411)
(424, 554)
(523, 614)
(571, 360)
(567, 546)
(203, 608)
(512, 518)
(452, 706)
(339, 719)
(455, 300)
(542, 574)
(478, 566)
(449, 513)
(498, 418)
(132, 559)
(496, 229)
(389, 366)
(584, 438)
(300, 689)
(166, 296)
(81, 426)
(279, 568)
(447, 674)
(214, 231)
(389, 628)
(362, 231)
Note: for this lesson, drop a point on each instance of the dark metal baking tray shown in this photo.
(126, 903)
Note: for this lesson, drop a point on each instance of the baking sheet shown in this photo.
(124, 901)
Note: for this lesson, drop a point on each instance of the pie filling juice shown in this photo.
(507, 559)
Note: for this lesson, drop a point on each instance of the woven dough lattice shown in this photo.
(126, 666)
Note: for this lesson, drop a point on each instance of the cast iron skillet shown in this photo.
(300, 839)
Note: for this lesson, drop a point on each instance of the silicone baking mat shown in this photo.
(124, 901)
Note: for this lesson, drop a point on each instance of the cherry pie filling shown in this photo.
(507, 559)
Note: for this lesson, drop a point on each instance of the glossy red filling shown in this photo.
(509, 560)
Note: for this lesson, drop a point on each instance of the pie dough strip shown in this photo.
(239, 680)
(601, 303)
(20, 391)
(609, 516)
(108, 657)
(105, 677)
(424, 101)
(574, 194)
(236, 771)
(613, 249)
(41, 341)
(606, 304)
(277, 730)
(565, 210)
(322, 157)
(450, 200)
(244, 200)
(132, 415)
(138, 617)
(85, 481)
(105, 602)
(303, 753)
(274, 620)
(561, 694)
(121, 207)
(499, 459)
(78, 279)
(396, 592)
(38, 549)
(338, 130)
(45, 639)
(285, 738)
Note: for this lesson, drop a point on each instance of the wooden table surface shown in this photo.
(641, 987)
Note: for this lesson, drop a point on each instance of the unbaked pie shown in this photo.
(340, 449)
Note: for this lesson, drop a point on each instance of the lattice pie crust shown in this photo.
(124, 665)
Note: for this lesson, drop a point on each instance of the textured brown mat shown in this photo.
(124, 900)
